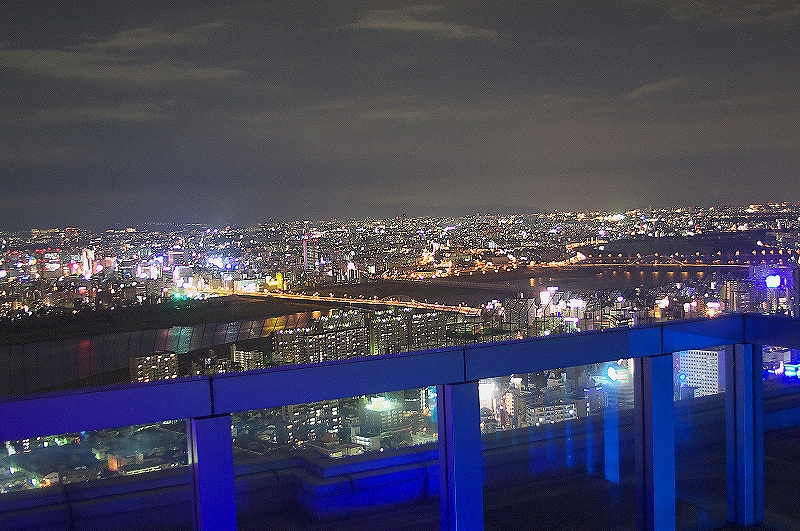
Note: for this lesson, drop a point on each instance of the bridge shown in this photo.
(462, 309)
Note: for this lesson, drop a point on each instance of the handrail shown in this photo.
(222, 394)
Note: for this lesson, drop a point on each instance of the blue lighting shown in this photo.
(432, 404)
(401, 475)
(791, 369)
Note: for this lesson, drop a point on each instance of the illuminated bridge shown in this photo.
(661, 464)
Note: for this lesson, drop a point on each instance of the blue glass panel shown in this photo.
(352, 459)
(556, 437)
(781, 437)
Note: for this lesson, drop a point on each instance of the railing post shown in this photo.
(655, 443)
(460, 459)
(611, 438)
(744, 422)
(211, 462)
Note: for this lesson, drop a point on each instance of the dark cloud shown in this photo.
(413, 19)
(245, 112)
(742, 12)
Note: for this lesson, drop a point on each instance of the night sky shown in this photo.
(117, 113)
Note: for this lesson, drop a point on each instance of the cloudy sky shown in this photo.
(121, 112)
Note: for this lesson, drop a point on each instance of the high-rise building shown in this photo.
(247, 360)
(160, 365)
(310, 253)
(388, 332)
(379, 415)
(520, 313)
(701, 371)
(336, 336)
(537, 415)
(87, 262)
(427, 330)
(775, 288)
(515, 402)
(616, 381)
(738, 295)
(311, 421)
(211, 364)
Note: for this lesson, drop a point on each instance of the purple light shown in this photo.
(773, 281)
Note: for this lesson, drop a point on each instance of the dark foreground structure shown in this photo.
(659, 465)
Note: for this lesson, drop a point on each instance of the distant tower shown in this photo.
(305, 244)
(87, 262)
(305, 251)
(310, 252)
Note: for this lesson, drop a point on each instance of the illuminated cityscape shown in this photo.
(366, 282)
(58, 271)
(371, 266)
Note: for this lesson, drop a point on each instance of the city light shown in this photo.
(576, 303)
(617, 374)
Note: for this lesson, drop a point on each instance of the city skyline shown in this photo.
(240, 113)
(778, 215)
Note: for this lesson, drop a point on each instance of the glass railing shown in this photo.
(309, 337)
(339, 428)
(700, 466)
(556, 438)
(700, 443)
(87, 456)
(93, 480)
(332, 460)
(781, 436)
